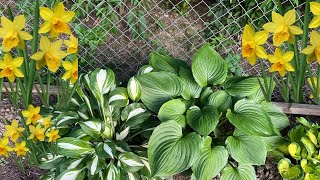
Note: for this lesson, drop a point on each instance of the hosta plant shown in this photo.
(302, 158)
(211, 124)
(102, 133)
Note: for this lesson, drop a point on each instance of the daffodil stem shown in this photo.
(284, 90)
(1, 87)
(48, 89)
(72, 92)
(265, 81)
(270, 86)
(318, 83)
(14, 94)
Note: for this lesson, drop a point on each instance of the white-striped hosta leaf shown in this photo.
(191, 87)
(221, 100)
(94, 165)
(108, 132)
(66, 118)
(92, 127)
(174, 110)
(211, 161)
(134, 89)
(123, 134)
(113, 172)
(119, 97)
(130, 162)
(73, 147)
(72, 174)
(208, 67)
(242, 86)
(75, 163)
(166, 144)
(106, 149)
(242, 172)
(250, 118)
(135, 114)
(158, 88)
(51, 162)
(145, 69)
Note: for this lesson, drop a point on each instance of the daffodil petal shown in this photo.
(67, 42)
(308, 50)
(46, 13)
(56, 45)
(271, 58)
(37, 56)
(252, 60)
(44, 43)
(6, 23)
(66, 75)
(45, 27)
(282, 72)
(315, 8)
(288, 56)
(25, 35)
(315, 22)
(288, 67)
(68, 16)
(248, 33)
(19, 22)
(315, 38)
(67, 65)
(290, 17)
(273, 68)
(261, 52)
(3, 32)
(295, 30)
(270, 27)
(292, 39)
(17, 62)
(59, 10)
(18, 73)
(277, 18)
(12, 78)
(278, 53)
(40, 64)
(261, 37)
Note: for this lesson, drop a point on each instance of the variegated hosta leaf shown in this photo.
(108, 131)
(92, 127)
(93, 165)
(119, 97)
(51, 162)
(72, 174)
(208, 67)
(221, 100)
(130, 162)
(73, 147)
(84, 97)
(166, 144)
(123, 134)
(295, 150)
(66, 118)
(80, 134)
(158, 88)
(166, 63)
(83, 111)
(289, 171)
(308, 145)
(278, 118)
(247, 149)
(74, 163)
(191, 87)
(47, 176)
(312, 137)
(295, 134)
(203, 121)
(250, 118)
(174, 110)
(211, 161)
(242, 172)
(145, 69)
(242, 86)
(106, 149)
(135, 114)
(134, 89)
(113, 172)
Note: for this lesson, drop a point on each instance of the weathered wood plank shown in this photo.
(299, 109)
(53, 89)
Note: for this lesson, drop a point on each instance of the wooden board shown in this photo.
(299, 109)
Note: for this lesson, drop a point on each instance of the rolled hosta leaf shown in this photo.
(278, 118)
(66, 118)
(208, 67)
(72, 174)
(250, 118)
(166, 63)
(130, 162)
(106, 149)
(221, 100)
(308, 145)
(203, 121)
(210, 162)
(158, 88)
(51, 162)
(242, 172)
(191, 88)
(135, 114)
(145, 69)
(134, 89)
(289, 171)
(242, 86)
(247, 149)
(93, 165)
(91, 127)
(113, 172)
(170, 152)
(174, 110)
(73, 147)
(119, 97)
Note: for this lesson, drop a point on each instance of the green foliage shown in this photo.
(195, 104)
(304, 148)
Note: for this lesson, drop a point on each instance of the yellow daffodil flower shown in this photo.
(36, 132)
(4, 147)
(53, 135)
(49, 54)
(72, 45)
(10, 67)
(251, 44)
(315, 9)
(56, 20)
(313, 51)
(32, 114)
(315, 81)
(72, 70)
(281, 61)
(13, 130)
(282, 27)
(20, 148)
(46, 122)
(12, 34)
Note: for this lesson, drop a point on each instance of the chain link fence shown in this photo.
(120, 34)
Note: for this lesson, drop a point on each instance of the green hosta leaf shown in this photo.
(203, 121)
(247, 149)
(92, 127)
(130, 162)
(166, 63)
(73, 147)
(135, 114)
(50, 163)
(221, 100)
(250, 118)
(191, 88)
(242, 172)
(72, 174)
(258, 96)
(242, 86)
(208, 67)
(278, 118)
(174, 110)
(119, 97)
(158, 88)
(211, 161)
(134, 89)
(67, 118)
(273, 142)
(288, 171)
(145, 69)
(295, 134)
(106, 149)
(205, 94)
(166, 144)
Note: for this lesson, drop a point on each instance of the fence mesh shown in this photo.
(120, 34)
